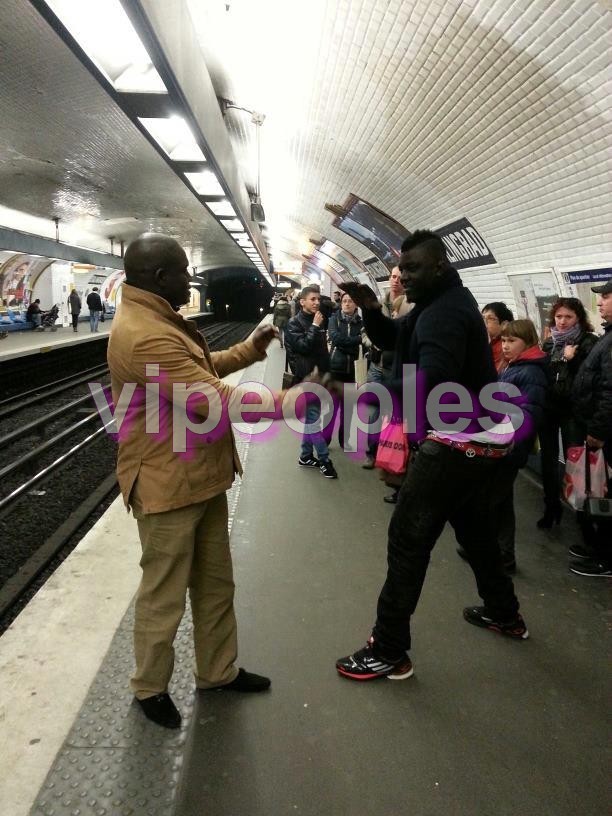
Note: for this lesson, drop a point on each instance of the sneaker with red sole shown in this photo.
(366, 665)
(478, 616)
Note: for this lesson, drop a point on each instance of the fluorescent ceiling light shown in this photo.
(221, 208)
(205, 183)
(175, 138)
(235, 225)
(105, 33)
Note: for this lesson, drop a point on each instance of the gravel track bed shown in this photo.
(39, 409)
(35, 517)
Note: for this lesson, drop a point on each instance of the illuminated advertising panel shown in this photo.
(373, 228)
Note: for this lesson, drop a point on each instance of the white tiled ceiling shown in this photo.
(497, 110)
(67, 150)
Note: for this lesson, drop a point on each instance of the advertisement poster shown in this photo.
(580, 283)
(377, 269)
(535, 294)
(17, 276)
(373, 228)
(343, 256)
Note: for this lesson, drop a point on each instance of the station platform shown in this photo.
(24, 343)
(486, 727)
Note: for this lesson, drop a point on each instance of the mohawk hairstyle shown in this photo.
(434, 243)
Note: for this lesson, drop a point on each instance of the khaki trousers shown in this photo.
(184, 549)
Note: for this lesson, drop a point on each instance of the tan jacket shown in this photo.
(146, 330)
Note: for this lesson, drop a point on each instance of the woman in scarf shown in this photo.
(571, 339)
(345, 334)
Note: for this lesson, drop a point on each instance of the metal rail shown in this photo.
(7, 502)
(17, 584)
(45, 446)
(24, 430)
(11, 405)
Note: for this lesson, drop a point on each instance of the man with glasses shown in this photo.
(494, 315)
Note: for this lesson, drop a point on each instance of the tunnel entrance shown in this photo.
(238, 294)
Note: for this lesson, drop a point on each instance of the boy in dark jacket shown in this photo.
(307, 349)
(527, 370)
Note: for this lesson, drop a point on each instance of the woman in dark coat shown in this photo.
(345, 332)
(568, 346)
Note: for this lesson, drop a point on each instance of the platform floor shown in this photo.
(486, 727)
(21, 343)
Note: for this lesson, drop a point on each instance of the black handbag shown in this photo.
(288, 376)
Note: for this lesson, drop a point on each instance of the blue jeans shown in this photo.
(36, 319)
(314, 440)
(93, 321)
(375, 375)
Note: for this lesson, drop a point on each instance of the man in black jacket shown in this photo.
(307, 349)
(592, 404)
(452, 475)
(94, 304)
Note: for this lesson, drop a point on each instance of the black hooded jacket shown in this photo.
(592, 389)
(445, 337)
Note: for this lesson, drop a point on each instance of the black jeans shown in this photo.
(503, 514)
(441, 483)
(75, 321)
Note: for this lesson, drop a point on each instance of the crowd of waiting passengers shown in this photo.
(566, 383)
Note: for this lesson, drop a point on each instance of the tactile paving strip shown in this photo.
(115, 762)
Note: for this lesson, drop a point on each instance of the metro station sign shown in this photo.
(465, 246)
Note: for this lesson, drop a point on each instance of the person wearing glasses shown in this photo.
(494, 314)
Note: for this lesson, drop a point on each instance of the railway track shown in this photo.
(57, 476)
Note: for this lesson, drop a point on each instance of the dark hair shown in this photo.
(37, 300)
(434, 243)
(307, 290)
(500, 310)
(575, 306)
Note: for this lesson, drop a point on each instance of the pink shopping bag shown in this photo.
(393, 452)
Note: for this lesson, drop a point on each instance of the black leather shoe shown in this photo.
(461, 552)
(391, 498)
(161, 710)
(245, 681)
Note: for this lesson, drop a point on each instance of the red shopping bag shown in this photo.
(586, 476)
(392, 453)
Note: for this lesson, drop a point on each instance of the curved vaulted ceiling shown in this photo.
(431, 110)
